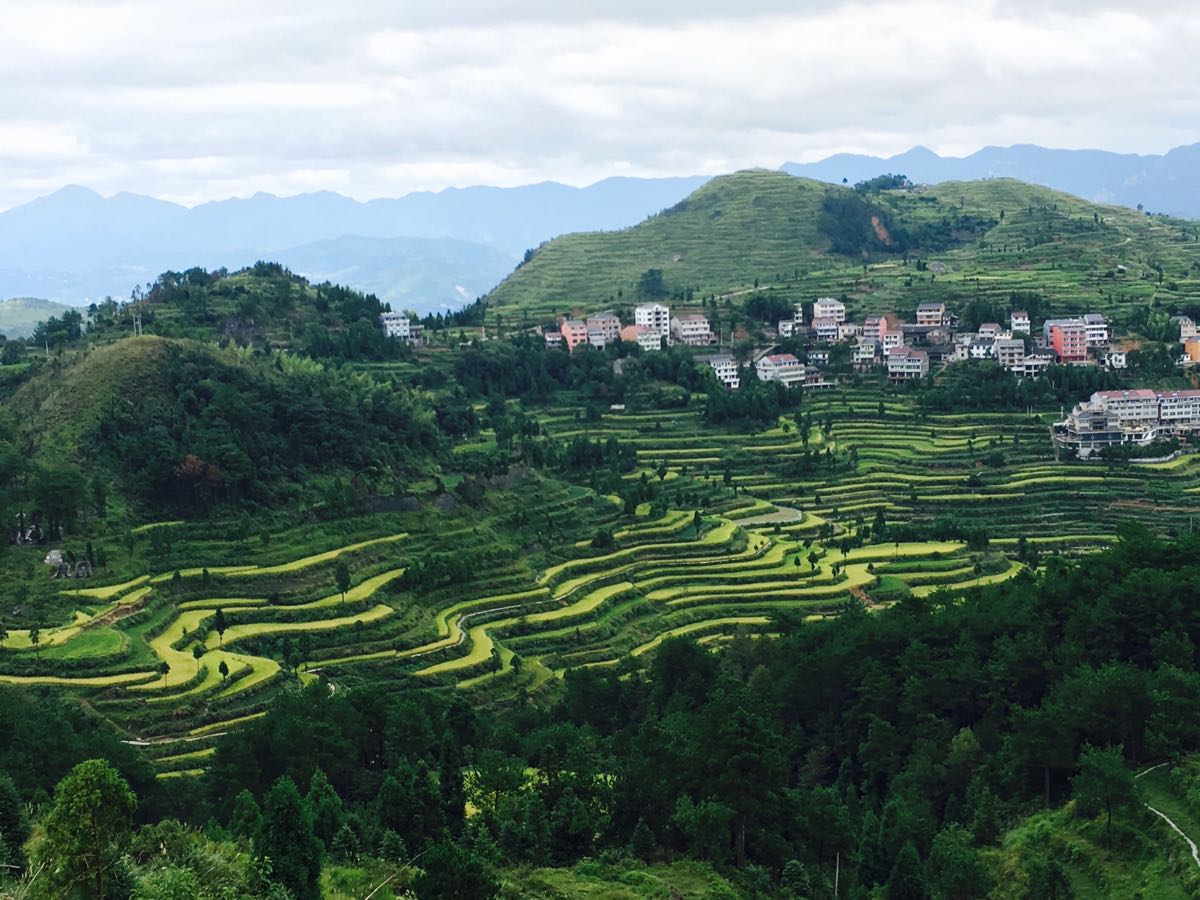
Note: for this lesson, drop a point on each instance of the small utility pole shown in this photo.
(837, 872)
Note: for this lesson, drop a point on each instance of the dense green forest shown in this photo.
(894, 749)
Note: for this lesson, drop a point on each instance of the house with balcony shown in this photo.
(692, 329)
(654, 316)
(1137, 417)
(648, 340)
(1018, 322)
(931, 314)
(829, 308)
(866, 353)
(906, 364)
(1068, 339)
(725, 368)
(1009, 352)
(606, 322)
(780, 367)
(826, 329)
(396, 325)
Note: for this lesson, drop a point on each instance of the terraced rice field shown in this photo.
(993, 467)
(784, 533)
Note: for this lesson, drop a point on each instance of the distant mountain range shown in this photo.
(429, 251)
(424, 251)
(1165, 184)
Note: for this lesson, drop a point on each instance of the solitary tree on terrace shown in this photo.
(341, 574)
(1103, 782)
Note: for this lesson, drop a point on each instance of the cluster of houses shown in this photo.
(653, 328)
(907, 350)
(1133, 417)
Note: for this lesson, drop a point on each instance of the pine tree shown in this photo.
(907, 881)
(642, 842)
(345, 845)
(247, 817)
(286, 838)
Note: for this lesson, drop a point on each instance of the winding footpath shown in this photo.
(1191, 844)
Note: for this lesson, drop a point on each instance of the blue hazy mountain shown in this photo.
(1169, 183)
(434, 250)
(424, 250)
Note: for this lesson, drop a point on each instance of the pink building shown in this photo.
(574, 332)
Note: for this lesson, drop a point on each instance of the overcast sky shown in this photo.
(201, 100)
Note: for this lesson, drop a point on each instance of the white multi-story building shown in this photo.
(654, 316)
(826, 328)
(781, 367)
(1139, 417)
(1129, 406)
(1097, 330)
(828, 308)
(597, 337)
(847, 330)
(892, 339)
(726, 369)
(693, 330)
(817, 357)
(1179, 408)
(786, 328)
(395, 325)
(1019, 322)
(905, 364)
(1187, 328)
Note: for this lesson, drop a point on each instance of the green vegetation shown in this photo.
(761, 233)
(1000, 747)
(482, 618)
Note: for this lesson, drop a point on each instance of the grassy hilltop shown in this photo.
(804, 238)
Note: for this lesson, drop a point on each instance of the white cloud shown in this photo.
(198, 101)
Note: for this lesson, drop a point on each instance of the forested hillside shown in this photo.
(908, 748)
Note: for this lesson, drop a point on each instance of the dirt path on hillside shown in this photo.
(1162, 815)
(1191, 844)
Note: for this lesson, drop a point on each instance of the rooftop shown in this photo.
(1137, 394)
